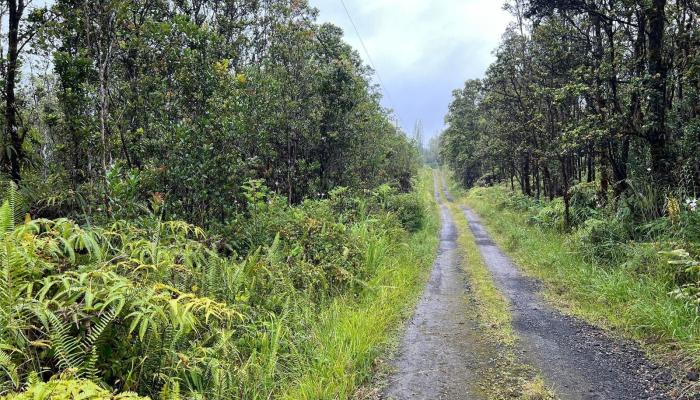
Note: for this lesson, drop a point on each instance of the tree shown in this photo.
(586, 91)
(23, 24)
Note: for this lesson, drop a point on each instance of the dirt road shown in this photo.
(576, 359)
(444, 350)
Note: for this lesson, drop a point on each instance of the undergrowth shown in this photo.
(599, 270)
(298, 304)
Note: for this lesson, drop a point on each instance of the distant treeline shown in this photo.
(585, 91)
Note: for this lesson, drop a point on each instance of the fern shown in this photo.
(171, 391)
(88, 368)
(17, 205)
(7, 223)
(66, 386)
(10, 370)
(66, 347)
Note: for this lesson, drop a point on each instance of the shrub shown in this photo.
(583, 202)
(688, 292)
(410, 210)
(689, 223)
(602, 240)
(487, 180)
(321, 255)
(348, 207)
(550, 216)
(520, 202)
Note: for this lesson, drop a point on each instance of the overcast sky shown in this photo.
(422, 49)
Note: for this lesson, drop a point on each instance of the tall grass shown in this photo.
(353, 332)
(631, 296)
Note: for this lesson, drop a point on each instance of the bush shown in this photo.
(688, 292)
(550, 216)
(689, 223)
(487, 180)
(520, 202)
(69, 389)
(348, 206)
(602, 240)
(321, 255)
(582, 206)
(583, 202)
(410, 210)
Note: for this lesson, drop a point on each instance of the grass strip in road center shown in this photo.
(509, 377)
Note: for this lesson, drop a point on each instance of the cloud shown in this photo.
(422, 49)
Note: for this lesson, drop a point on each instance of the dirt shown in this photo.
(445, 354)
(577, 360)
(443, 350)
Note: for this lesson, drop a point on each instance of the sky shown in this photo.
(422, 49)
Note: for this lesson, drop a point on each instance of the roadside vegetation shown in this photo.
(200, 200)
(626, 284)
(579, 149)
(153, 307)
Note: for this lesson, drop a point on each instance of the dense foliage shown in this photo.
(590, 111)
(109, 102)
(154, 307)
(585, 91)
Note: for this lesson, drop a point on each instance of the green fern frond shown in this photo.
(171, 391)
(67, 348)
(98, 329)
(7, 222)
(10, 369)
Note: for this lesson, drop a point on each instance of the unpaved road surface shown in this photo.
(441, 352)
(576, 359)
(444, 351)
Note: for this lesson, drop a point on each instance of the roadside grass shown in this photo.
(353, 335)
(536, 389)
(635, 304)
(509, 377)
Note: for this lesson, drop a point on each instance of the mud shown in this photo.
(577, 360)
(442, 351)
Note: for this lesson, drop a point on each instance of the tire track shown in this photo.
(579, 361)
(443, 350)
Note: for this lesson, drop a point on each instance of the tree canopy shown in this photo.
(584, 91)
(117, 100)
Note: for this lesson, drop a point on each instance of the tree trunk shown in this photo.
(527, 188)
(565, 171)
(604, 176)
(591, 165)
(661, 162)
(11, 130)
(103, 119)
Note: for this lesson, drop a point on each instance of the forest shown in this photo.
(585, 132)
(209, 199)
(199, 200)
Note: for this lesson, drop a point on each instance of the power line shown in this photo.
(371, 62)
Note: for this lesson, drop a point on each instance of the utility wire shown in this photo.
(371, 62)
